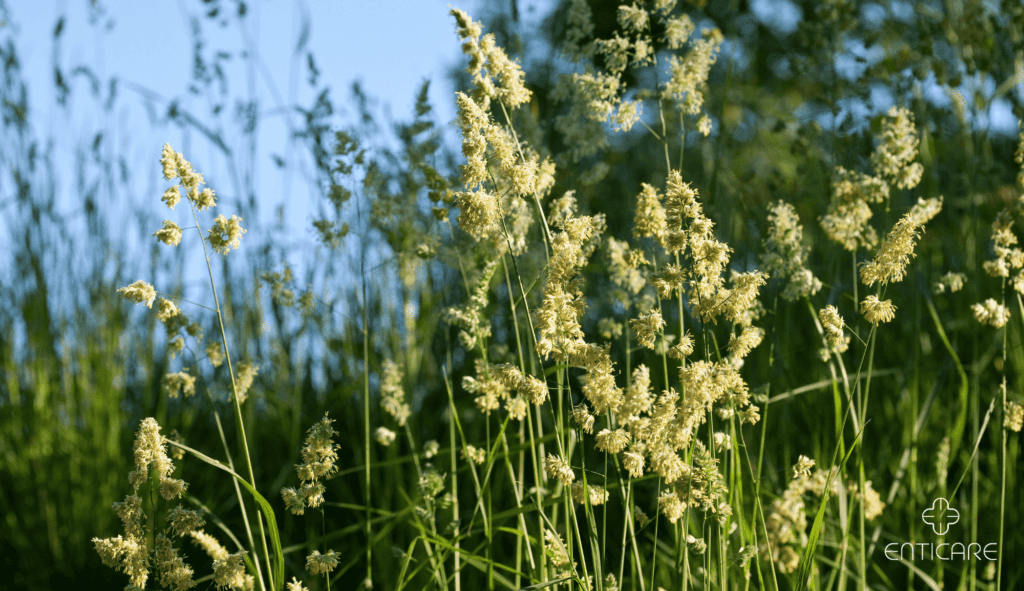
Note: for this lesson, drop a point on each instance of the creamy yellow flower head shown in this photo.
(226, 234)
(876, 311)
(229, 572)
(139, 292)
(833, 324)
(557, 468)
(991, 313)
(317, 563)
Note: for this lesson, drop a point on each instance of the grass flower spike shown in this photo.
(319, 455)
(612, 441)
(890, 263)
(617, 245)
(495, 76)
(991, 313)
(559, 469)
(170, 234)
(229, 572)
(595, 494)
(142, 547)
(785, 255)
(392, 395)
(176, 167)
(893, 158)
(166, 310)
(633, 461)
(209, 544)
(953, 281)
(474, 454)
(647, 328)
(178, 383)
(876, 311)
(139, 292)
(384, 436)
(321, 564)
(246, 374)
(1014, 417)
(833, 325)
(226, 234)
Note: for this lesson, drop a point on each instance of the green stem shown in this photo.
(238, 408)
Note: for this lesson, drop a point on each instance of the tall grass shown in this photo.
(590, 353)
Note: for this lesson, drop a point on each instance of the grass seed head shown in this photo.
(171, 568)
(991, 313)
(209, 544)
(876, 311)
(833, 325)
(890, 262)
(321, 564)
(175, 346)
(802, 467)
(583, 418)
(229, 573)
(516, 408)
(171, 196)
(205, 199)
(474, 454)
(742, 344)
(178, 383)
(293, 501)
(215, 354)
(246, 375)
(596, 494)
(893, 156)
(1014, 417)
(647, 327)
(612, 441)
(226, 234)
(319, 455)
(170, 234)
(873, 505)
(558, 469)
(166, 311)
(139, 292)
(785, 255)
(384, 436)
(392, 393)
(633, 461)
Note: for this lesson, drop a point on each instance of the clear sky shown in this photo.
(390, 46)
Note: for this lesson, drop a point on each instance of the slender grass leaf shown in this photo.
(268, 511)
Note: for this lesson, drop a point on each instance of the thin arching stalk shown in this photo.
(238, 407)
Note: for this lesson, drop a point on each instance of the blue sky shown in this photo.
(389, 46)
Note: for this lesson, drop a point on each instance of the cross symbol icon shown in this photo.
(940, 516)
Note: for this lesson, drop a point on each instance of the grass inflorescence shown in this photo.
(587, 354)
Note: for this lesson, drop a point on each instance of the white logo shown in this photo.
(940, 516)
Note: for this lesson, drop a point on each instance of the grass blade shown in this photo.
(804, 570)
(277, 581)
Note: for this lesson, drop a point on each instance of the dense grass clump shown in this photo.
(622, 342)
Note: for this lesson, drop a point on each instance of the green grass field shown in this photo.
(671, 320)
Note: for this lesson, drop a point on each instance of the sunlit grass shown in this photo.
(535, 385)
